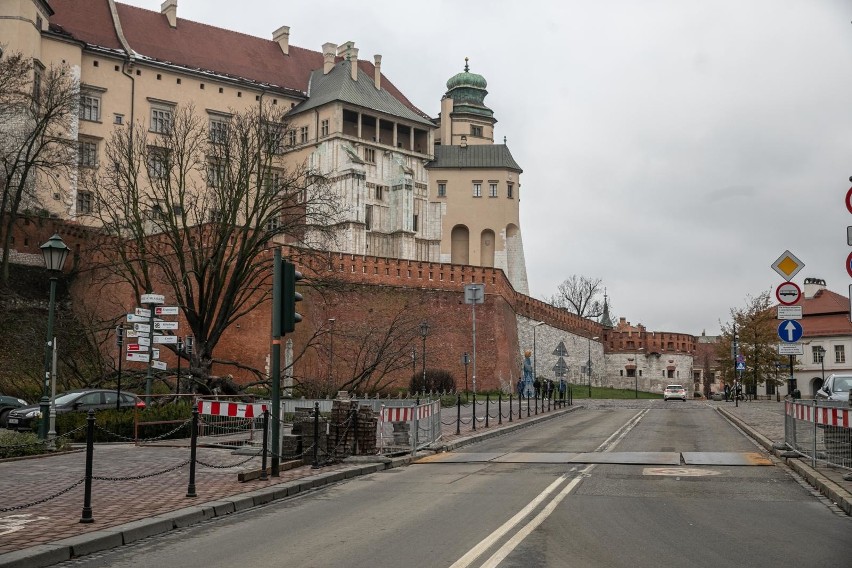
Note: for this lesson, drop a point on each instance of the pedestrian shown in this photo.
(727, 392)
(549, 389)
(537, 387)
(520, 387)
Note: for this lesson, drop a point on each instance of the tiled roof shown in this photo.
(196, 46)
(337, 85)
(474, 156)
(827, 313)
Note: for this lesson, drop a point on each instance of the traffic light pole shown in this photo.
(275, 363)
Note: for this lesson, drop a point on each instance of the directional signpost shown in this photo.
(144, 327)
(790, 331)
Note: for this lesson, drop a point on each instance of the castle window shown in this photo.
(161, 120)
(368, 217)
(442, 189)
(87, 153)
(370, 155)
(492, 189)
(510, 190)
(415, 223)
(476, 131)
(303, 134)
(84, 202)
(839, 354)
(291, 137)
(477, 189)
(324, 128)
(379, 194)
(218, 130)
(90, 107)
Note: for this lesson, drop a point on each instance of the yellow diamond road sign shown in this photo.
(787, 265)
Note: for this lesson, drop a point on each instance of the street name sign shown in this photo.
(142, 312)
(788, 293)
(143, 327)
(155, 353)
(789, 312)
(132, 347)
(131, 333)
(139, 357)
(165, 325)
(166, 339)
(790, 331)
(161, 365)
(787, 265)
(152, 299)
(134, 318)
(790, 349)
(166, 310)
(144, 341)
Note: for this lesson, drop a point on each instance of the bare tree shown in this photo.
(191, 213)
(580, 295)
(37, 108)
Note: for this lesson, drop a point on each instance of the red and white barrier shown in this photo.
(406, 413)
(232, 409)
(840, 417)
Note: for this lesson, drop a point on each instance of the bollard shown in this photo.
(86, 517)
(536, 403)
(265, 444)
(473, 420)
(528, 407)
(499, 408)
(458, 414)
(510, 407)
(487, 408)
(316, 436)
(193, 445)
(550, 395)
(355, 429)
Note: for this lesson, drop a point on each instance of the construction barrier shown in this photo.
(821, 431)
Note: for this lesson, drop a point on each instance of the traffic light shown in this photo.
(289, 316)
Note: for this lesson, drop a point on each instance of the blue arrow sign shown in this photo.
(790, 331)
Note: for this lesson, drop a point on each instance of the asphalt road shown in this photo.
(521, 513)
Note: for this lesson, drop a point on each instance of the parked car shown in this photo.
(81, 400)
(7, 405)
(674, 391)
(835, 388)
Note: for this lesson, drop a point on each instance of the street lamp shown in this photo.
(331, 353)
(535, 352)
(424, 331)
(589, 364)
(55, 252)
(636, 374)
(822, 362)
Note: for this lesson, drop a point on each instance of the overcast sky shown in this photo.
(672, 148)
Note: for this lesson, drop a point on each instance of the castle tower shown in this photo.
(477, 184)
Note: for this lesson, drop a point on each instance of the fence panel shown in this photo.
(408, 428)
(820, 430)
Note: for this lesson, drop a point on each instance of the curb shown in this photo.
(825, 486)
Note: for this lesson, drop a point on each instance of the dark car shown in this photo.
(7, 404)
(81, 400)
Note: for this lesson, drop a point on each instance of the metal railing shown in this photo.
(408, 428)
(820, 430)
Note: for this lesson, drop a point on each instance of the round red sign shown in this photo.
(788, 293)
(849, 264)
(849, 200)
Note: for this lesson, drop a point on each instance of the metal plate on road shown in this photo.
(461, 457)
(629, 458)
(725, 458)
(536, 457)
(679, 471)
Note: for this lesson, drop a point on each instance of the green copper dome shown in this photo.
(466, 79)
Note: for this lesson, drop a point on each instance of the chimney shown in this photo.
(813, 286)
(328, 51)
(353, 59)
(169, 9)
(378, 77)
(282, 36)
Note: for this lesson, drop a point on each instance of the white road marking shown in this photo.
(513, 542)
(679, 471)
(14, 523)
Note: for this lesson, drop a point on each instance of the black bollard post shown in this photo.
(265, 444)
(536, 403)
(458, 414)
(473, 420)
(528, 407)
(86, 517)
(355, 429)
(193, 445)
(499, 408)
(316, 436)
(487, 408)
(510, 407)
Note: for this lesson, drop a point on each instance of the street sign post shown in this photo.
(166, 311)
(790, 331)
(790, 349)
(140, 357)
(165, 325)
(789, 312)
(474, 294)
(787, 265)
(142, 327)
(788, 293)
(152, 299)
(142, 312)
(160, 365)
(134, 347)
(143, 341)
(166, 339)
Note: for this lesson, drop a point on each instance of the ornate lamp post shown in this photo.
(55, 252)
(424, 331)
(589, 364)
